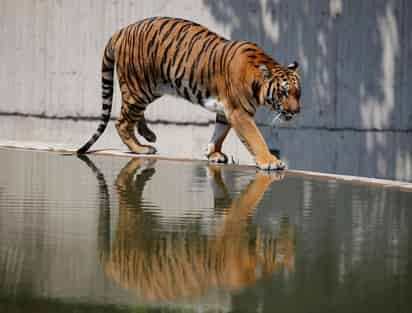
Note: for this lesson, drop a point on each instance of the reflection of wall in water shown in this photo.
(351, 240)
(343, 232)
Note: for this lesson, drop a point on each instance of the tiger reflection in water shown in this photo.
(172, 265)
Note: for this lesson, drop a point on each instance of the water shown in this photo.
(105, 234)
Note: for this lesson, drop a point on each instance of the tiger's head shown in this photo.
(281, 90)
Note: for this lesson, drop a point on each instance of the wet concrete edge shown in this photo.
(31, 146)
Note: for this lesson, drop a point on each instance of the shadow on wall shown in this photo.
(354, 58)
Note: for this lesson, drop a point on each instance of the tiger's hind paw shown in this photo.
(151, 150)
(150, 136)
(144, 150)
(146, 132)
(217, 157)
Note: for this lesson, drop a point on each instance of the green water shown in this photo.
(106, 234)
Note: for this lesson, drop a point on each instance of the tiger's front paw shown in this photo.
(270, 163)
(217, 157)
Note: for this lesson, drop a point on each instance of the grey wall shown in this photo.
(355, 61)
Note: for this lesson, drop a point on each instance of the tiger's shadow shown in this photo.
(166, 265)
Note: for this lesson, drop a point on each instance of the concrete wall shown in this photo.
(355, 61)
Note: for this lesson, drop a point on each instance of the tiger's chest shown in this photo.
(210, 103)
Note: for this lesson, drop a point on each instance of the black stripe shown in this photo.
(170, 30)
(107, 88)
(194, 89)
(202, 76)
(210, 43)
(193, 42)
(248, 112)
(106, 95)
(146, 94)
(107, 65)
(186, 94)
(182, 35)
(151, 41)
(226, 50)
(179, 64)
(196, 61)
(123, 53)
(255, 90)
(137, 100)
(164, 24)
(107, 70)
(178, 80)
(192, 73)
(108, 56)
(148, 78)
(249, 49)
(130, 78)
(199, 98)
(268, 92)
(209, 61)
(168, 71)
(101, 128)
(107, 81)
(238, 47)
(163, 61)
(142, 69)
(149, 26)
(139, 105)
(274, 93)
(153, 53)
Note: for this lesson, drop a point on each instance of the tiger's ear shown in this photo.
(293, 66)
(264, 70)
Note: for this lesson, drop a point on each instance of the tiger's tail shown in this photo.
(107, 95)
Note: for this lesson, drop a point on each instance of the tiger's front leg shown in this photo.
(251, 137)
(214, 148)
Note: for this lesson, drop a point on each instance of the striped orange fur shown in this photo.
(164, 55)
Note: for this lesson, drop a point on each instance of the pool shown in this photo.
(116, 234)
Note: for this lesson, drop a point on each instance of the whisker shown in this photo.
(272, 124)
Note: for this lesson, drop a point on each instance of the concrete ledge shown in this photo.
(48, 147)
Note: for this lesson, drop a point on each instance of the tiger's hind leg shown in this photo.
(145, 131)
(214, 148)
(130, 115)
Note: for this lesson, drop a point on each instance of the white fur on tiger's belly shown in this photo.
(214, 105)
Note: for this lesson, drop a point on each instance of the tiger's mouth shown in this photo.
(281, 113)
(286, 116)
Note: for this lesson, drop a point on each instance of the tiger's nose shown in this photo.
(293, 111)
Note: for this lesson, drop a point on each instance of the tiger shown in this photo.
(232, 78)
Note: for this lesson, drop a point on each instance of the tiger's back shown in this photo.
(173, 56)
